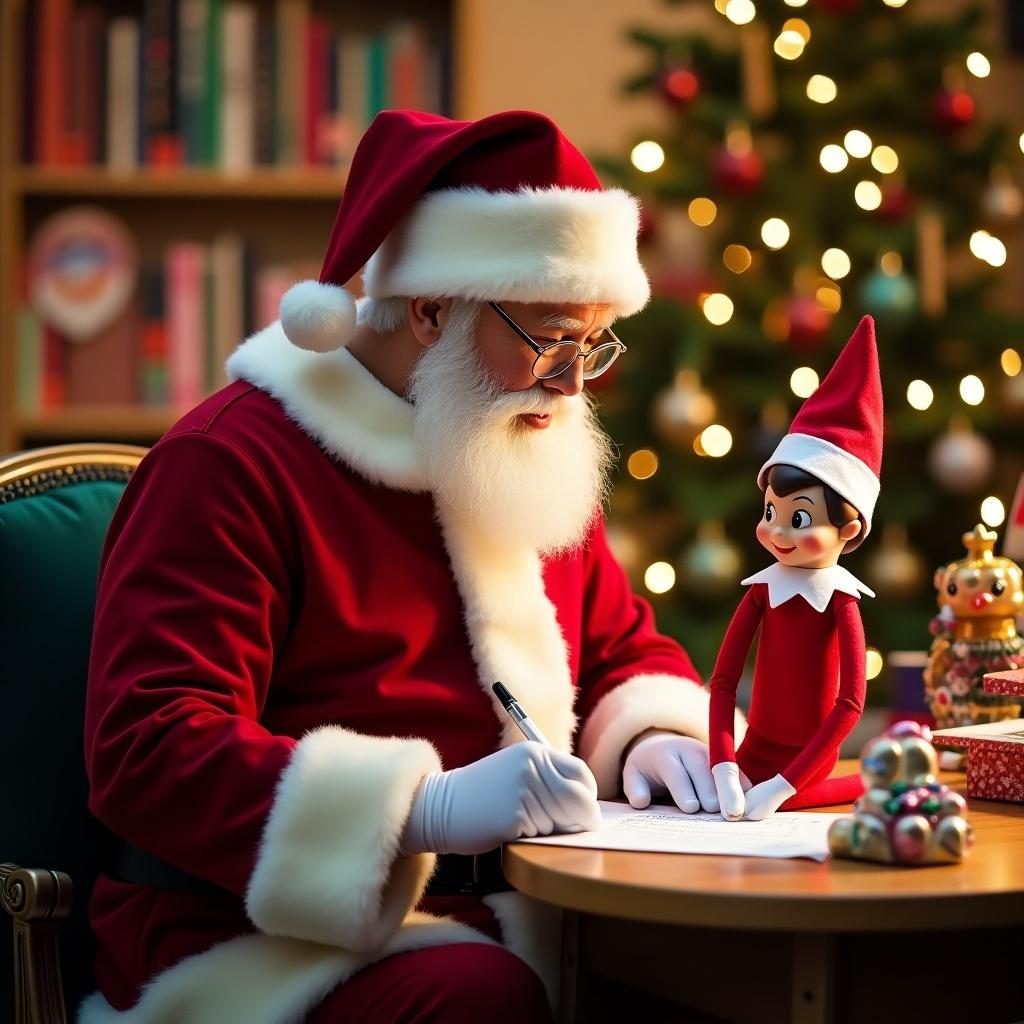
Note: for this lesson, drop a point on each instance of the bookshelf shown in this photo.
(284, 211)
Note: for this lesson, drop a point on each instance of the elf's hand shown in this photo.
(528, 789)
(766, 798)
(730, 784)
(678, 764)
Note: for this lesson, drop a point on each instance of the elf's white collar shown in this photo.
(815, 586)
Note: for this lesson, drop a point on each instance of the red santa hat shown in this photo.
(504, 208)
(837, 434)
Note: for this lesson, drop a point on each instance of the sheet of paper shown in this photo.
(663, 829)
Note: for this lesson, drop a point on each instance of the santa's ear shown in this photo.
(850, 530)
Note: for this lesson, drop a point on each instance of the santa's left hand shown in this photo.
(766, 798)
(678, 764)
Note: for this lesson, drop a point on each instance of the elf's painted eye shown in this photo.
(951, 589)
(998, 587)
(769, 512)
(801, 519)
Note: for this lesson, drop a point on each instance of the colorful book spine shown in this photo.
(162, 145)
(153, 378)
(122, 94)
(264, 86)
(292, 19)
(272, 281)
(317, 108)
(28, 332)
(52, 57)
(352, 88)
(238, 54)
(186, 327)
(377, 76)
(227, 262)
(211, 94)
(193, 25)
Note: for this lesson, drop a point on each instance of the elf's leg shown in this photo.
(842, 790)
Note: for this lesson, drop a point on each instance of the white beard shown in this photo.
(496, 475)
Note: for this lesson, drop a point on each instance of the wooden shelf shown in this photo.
(98, 422)
(190, 183)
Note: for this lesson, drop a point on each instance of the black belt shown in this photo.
(455, 875)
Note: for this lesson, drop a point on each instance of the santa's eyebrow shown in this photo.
(805, 498)
(562, 321)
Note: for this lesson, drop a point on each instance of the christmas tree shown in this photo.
(825, 159)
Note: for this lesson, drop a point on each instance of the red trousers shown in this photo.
(760, 759)
(440, 985)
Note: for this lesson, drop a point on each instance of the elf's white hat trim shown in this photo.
(847, 475)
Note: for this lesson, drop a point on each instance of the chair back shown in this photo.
(55, 507)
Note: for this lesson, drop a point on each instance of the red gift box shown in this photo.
(995, 751)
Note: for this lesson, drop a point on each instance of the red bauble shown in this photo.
(839, 6)
(896, 203)
(679, 86)
(739, 174)
(808, 322)
(953, 110)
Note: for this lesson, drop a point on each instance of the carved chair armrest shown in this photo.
(37, 900)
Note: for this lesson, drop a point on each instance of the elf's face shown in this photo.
(797, 531)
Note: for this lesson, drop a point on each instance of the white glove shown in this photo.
(678, 764)
(766, 798)
(527, 789)
(730, 784)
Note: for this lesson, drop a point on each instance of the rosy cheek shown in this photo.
(763, 530)
(810, 542)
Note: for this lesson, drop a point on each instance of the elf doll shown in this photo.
(819, 488)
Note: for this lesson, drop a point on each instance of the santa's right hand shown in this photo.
(528, 789)
(729, 782)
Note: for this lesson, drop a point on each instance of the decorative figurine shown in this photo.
(975, 632)
(906, 816)
(820, 488)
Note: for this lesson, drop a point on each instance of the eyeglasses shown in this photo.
(556, 358)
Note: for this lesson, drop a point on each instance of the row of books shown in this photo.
(229, 84)
(168, 347)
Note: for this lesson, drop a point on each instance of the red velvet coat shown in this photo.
(267, 575)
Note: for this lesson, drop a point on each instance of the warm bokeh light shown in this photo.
(857, 143)
(829, 297)
(718, 308)
(720, 6)
(647, 156)
(873, 663)
(795, 3)
(821, 89)
(894, 3)
(740, 12)
(642, 464)
(884, 159)
(978, 65)
(800, 27)
(716, 440)
(992, 511)
(803, 382)
(972, 391)
(833, 158)
(1010, 361)
(988, 248)
(789, 44)
(775, 232)
(891, 263)
(737, 258)
(920, 395)
(659, 578)
(702, 211)
(867, 195)
(835, 263)
(1020, 142)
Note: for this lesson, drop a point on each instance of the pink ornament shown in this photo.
(953, 110)
(679, 86)
(739, 174)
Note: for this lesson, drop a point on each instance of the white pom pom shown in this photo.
(318, 317)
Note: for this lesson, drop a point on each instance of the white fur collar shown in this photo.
(338, 403)
(815, 586)
(511, 623)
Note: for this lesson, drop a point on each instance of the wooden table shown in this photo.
(759, 940)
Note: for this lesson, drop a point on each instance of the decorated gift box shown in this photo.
(995, 750)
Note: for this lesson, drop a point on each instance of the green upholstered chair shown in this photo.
(55, 507)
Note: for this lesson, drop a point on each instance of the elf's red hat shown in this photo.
(837, 434)
(501, 208)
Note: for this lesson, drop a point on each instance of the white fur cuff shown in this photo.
(643, 702)
(328, 869)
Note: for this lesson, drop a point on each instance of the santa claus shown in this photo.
(316, 576)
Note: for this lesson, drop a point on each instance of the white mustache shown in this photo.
(535, 402)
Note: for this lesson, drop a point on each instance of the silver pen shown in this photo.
(519, 716)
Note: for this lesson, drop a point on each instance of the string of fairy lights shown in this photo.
(876, 161)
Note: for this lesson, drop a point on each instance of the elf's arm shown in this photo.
(849, 704)
(728, 669)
